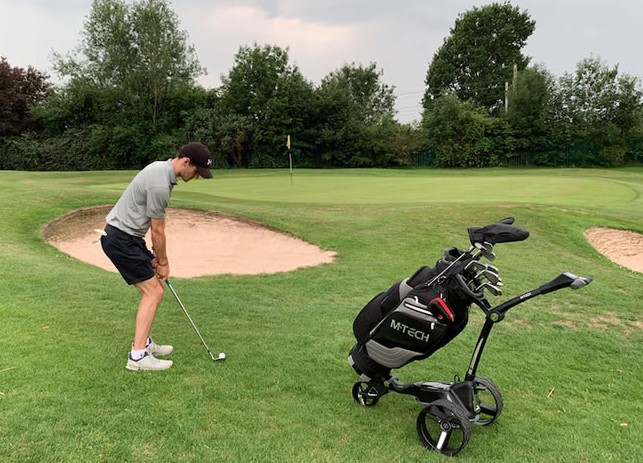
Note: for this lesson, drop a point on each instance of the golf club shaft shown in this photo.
(196, 330)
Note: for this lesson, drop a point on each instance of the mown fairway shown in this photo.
(568, 364)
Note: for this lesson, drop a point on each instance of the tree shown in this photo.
(530, 112)
(409, 140)
(460, 134)
(20, 90)
(356, 117)
(264, 90)
(601, 109)
(478, 57)
(137, 49)
(597, 94)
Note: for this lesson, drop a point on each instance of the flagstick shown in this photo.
(289, 156)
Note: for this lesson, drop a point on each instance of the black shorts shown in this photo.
(129, 254)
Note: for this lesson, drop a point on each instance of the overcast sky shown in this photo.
(400, 37)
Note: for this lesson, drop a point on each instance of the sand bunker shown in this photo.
(201, 243)
(623, 247)
(198, 244)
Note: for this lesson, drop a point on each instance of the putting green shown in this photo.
(361, 189)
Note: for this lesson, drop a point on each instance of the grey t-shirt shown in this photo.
(145, 198)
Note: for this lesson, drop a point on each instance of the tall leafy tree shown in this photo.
(20, 90)
(138, 49)
(368, 97)
(530, 112)
(264, 91)
(479, 55)
(597, 94)
(600, 108)
(356, 124)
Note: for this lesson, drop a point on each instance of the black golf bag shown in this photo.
(410, 321)
(418, 315)
(422, 313)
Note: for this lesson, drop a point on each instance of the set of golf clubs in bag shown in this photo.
(421, 314)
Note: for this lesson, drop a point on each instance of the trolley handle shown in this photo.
(564, 280)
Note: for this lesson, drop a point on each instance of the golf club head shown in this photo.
(493, 278)
(493, 289)
(476, 266)
(492, 268)
(486, 251)
(220, 357)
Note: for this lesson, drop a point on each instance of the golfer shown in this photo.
(141, 207)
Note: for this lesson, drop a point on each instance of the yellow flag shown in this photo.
(288, 142)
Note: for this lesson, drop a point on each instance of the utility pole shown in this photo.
(513, 84)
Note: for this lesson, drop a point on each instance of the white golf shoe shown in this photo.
(147, 362)
(158, 351)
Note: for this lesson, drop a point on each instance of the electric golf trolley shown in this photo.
(421, 314)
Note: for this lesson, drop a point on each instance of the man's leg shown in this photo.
(151, 295)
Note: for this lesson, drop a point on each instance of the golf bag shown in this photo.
(411, 320)
(422, 313)
(418, 315)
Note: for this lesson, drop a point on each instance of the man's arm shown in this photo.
(160, 250)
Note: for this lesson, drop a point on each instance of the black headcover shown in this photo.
(497, 233)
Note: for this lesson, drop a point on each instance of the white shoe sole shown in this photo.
(159, 365)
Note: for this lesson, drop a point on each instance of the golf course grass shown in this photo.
(568, 364)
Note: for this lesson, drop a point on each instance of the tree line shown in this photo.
(130, 97)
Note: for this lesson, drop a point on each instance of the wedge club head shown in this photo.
(493, 278)
(491, 288)
(486, 251)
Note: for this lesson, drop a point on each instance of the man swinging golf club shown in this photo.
(140, 208)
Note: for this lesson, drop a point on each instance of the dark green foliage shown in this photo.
(478, 57)
(264, 98)
(137, 49)
(20, 89)
(460, 134)
(130, 90)
(530, 114)
(356, 118)
(601, 109)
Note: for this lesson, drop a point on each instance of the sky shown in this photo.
(400, 37)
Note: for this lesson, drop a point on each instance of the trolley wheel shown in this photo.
(444, 427)
(365, 394)
(487, 401)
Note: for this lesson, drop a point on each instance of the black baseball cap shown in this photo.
(200, 156)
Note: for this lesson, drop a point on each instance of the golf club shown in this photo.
(493, 278)
(486, 250)
(221, 354)
(476, 266)
(491, 288)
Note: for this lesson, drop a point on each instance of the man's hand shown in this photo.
(154, 261)
(162, 270)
